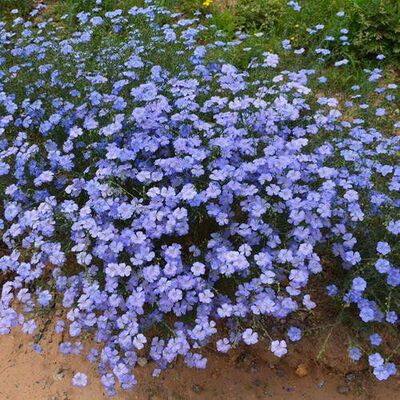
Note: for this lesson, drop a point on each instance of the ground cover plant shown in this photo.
(169, 186)
(364, 29)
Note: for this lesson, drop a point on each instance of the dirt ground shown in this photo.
(243, 374)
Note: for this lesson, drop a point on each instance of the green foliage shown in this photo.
(374, 27)
(260, 14)
(376, 24)
(24, 6)
(225, 21)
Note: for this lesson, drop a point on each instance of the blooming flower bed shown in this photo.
(166, 198)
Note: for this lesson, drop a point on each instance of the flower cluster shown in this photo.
(156, 190)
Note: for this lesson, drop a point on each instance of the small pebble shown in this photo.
(350, 377)
(253, 367)
(142, 361)
(302, 370)
(321, 383)
(197, 388)
(59, 375)
(343, 389)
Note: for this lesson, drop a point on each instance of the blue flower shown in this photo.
(355, 353)
(250, 337)
(375, 339)
(359, 284)
(294, 334)
(80, 379)
(375, 360)
(383, 248)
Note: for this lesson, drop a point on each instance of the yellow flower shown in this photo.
(207, 2)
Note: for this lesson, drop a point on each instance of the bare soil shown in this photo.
(314, 369)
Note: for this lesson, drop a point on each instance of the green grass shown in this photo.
(24, 6)
(374, 24)
(374, 27)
